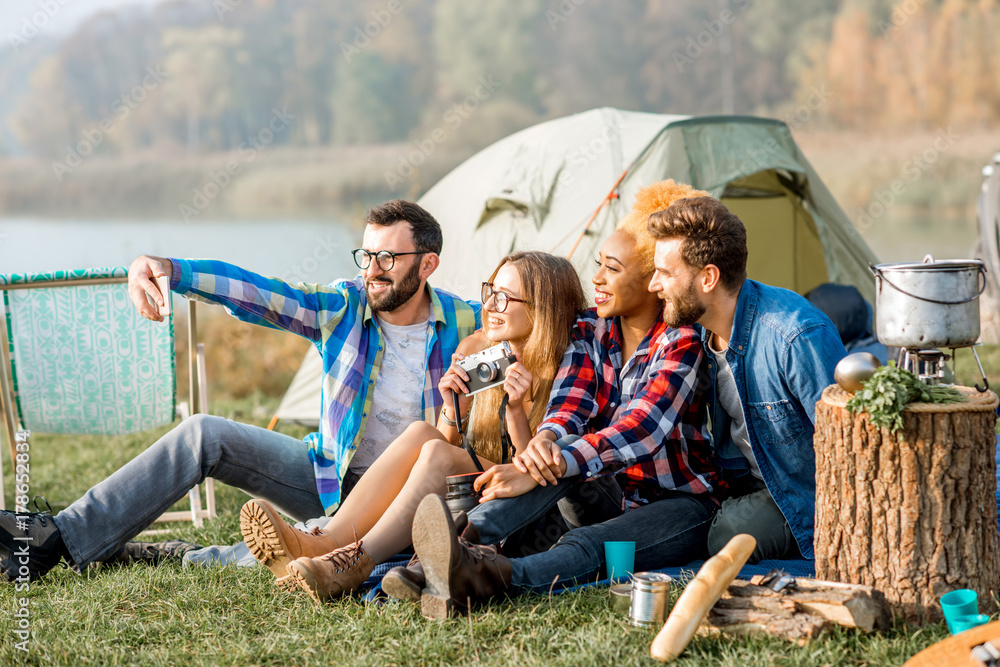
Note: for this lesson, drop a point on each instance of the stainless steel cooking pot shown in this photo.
(928, 304)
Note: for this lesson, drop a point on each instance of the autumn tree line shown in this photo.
(197, 76)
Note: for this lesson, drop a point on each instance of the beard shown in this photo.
(396, 294)
(687, 309)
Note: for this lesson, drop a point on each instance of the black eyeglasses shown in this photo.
(385, 259)
(501, 297)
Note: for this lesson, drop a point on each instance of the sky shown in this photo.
(52, 16)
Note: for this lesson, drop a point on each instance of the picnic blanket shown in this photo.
(797, 567)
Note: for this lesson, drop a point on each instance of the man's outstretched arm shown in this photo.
(251, 297)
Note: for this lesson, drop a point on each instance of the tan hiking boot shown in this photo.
(456, 571)
(406, 583)
(333, 575)
(276, 544)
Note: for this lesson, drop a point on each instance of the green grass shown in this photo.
(173, 615)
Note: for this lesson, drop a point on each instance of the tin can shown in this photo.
(621, 597)
(650, 592)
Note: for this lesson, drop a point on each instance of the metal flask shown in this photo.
(927, 304)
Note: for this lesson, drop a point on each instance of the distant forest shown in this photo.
(188, 77)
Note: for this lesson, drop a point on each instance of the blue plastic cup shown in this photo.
(963, 602)
(619, 558)
(963, 623)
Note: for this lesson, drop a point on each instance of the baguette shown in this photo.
(701, 593)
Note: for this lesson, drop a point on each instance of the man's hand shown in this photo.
(503, 481)
(141, 275)
(542, 459)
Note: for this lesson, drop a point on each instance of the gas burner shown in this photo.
(927, 365)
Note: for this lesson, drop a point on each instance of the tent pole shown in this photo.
(611, 195)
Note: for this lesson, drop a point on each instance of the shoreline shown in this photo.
(311, 183)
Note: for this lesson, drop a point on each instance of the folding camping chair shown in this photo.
(77, 358)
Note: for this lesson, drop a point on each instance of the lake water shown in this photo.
(299, 250)
(319, 251)
(908, 238)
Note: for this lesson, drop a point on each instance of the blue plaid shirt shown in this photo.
(338, 321)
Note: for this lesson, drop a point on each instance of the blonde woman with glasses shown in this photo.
(530, 302)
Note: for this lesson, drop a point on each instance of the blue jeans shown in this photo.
(262, 463)
(670, 531)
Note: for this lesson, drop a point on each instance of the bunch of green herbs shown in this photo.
(886, 394)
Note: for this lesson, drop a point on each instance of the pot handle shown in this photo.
(982, 275)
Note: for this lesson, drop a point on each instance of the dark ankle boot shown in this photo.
(456, 572)
(405, 583)
(30, 545)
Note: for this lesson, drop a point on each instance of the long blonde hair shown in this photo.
(554, 297)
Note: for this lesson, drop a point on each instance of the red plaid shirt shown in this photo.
(647, 415)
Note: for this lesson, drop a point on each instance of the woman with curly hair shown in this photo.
(628, 403)
(530, 301)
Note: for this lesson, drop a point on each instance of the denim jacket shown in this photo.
(782, 353)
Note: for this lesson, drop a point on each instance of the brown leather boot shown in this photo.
(276, 544)
(456, 571)
(405, 583)
(333, 575)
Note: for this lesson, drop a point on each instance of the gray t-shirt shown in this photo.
(398, 391)
(729, 398)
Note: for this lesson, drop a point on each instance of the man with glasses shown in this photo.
(386, 339)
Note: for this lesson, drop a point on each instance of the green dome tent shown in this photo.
(539, 188)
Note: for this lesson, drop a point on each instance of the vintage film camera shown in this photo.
(486, 369)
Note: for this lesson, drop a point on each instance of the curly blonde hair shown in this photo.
(649, 200)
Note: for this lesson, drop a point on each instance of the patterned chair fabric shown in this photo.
(83, 360)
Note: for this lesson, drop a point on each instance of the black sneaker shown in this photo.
(151, 553)
(30, 544)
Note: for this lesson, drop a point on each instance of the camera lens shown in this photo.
(486, 371)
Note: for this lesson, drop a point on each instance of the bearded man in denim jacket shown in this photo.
(771, 354)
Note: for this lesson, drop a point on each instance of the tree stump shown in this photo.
(912, 514)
